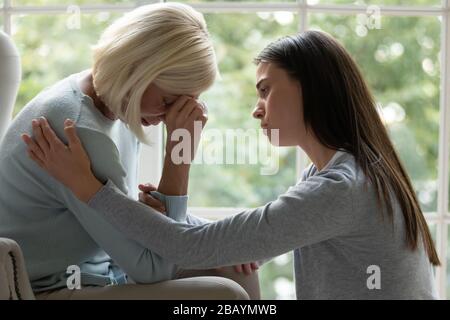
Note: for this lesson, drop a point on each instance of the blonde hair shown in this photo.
(166, 44)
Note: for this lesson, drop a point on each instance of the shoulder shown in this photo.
(339, 181)
(328, 183)
(343, 172)
(323, 197)
(59, 102)
(56, 103)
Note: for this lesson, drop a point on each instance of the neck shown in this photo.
(318, 153)
(87, 87)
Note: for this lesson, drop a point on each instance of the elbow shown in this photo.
(150, 268)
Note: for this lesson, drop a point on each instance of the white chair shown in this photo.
(14, 281)
(10, 76)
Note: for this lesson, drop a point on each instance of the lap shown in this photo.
(214, 284)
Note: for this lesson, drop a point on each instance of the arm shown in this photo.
(298, 218)
(185, 114)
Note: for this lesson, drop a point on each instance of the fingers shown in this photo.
(35, 158)
(45, 139)
(179, 103)
(33, 147)
(71, 134)
(147, 187)
(39, 136)
(204, 107)
(188, 108)
(247, 269)
(151, 202)
(50, 135)
(196, 114)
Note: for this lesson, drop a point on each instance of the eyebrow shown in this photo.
(260, 81)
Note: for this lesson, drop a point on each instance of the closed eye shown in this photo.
(262, 91)
(167, 103)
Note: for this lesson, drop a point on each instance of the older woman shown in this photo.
(144, 62)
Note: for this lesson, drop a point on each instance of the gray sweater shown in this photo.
(343, 248)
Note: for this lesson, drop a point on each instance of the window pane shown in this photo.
(277, 280)
(436, 3)
(433, 231)
(401, 63)
(52, 47)
(231, 102)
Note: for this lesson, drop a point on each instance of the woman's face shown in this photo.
(154, 105)
(279, 105)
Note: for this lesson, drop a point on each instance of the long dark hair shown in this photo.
(341, 111)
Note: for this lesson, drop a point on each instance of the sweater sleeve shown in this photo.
(137, 261)
(312, 211)
(176, 208)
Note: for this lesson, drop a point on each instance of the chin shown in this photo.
(276, 143)
(275, 139)
(281, 143)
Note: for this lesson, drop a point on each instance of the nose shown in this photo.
(258, 112)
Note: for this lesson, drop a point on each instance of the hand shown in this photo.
(69, 164)
(189, 114)
(146, 198)
(247, 268)
(181, 115)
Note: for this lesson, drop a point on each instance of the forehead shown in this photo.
(266, 70)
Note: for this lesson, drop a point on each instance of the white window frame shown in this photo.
(154, 155)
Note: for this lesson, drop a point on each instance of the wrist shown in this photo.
(174, 179)
(86, 190)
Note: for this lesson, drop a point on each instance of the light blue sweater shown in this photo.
(343, 248)
(53, 228)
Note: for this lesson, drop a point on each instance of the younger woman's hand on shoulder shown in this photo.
(68, 164)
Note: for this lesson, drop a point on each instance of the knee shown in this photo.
(227, 289)
(250, 283)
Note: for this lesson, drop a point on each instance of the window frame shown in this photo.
(154, 154)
